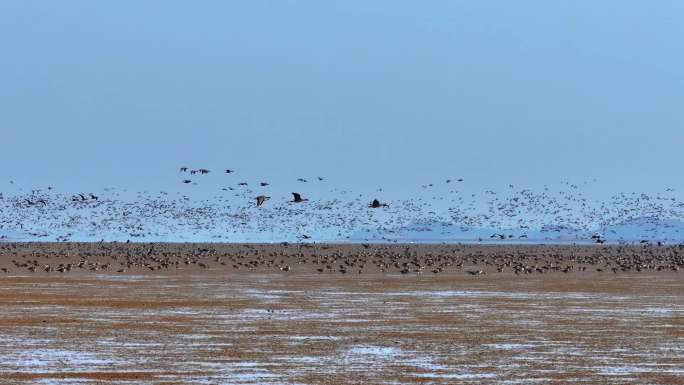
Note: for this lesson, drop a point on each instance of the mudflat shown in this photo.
(265, 314)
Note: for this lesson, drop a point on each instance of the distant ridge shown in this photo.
(635, 230)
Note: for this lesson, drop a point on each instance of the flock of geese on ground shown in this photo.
(239, 212)
(341, 259)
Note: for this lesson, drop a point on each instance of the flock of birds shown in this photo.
(340, 259)
(239, 212)
(261, 199)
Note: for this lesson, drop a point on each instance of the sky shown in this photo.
(381, 94)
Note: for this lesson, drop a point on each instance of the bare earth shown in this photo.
(265, 314)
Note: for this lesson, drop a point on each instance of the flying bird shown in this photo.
(376, 204)
(261, 199)
(298, 198)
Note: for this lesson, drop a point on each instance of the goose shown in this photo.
(261, 199)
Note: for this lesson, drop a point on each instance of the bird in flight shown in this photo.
(298, 198)
(261, 199)
(229, 171)
(376, 204)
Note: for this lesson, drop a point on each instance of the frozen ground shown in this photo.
(311, 329)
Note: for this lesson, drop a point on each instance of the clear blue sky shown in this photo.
(370, 94)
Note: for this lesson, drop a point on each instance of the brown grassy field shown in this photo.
(224, 325)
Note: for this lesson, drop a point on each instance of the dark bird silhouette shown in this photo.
(183, 169)
(229, 171)
(376, 204)
(261, 199)
(301, 180)
(186, 181)
(298, 198)
(263, 184)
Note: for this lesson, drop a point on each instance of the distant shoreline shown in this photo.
(374, 242)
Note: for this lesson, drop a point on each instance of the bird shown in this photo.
(183, 169)
(186, 181)
(263, 184)
(261, 199)
(301, 180)
(229, 171)
(298, 198)
(376, 204)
